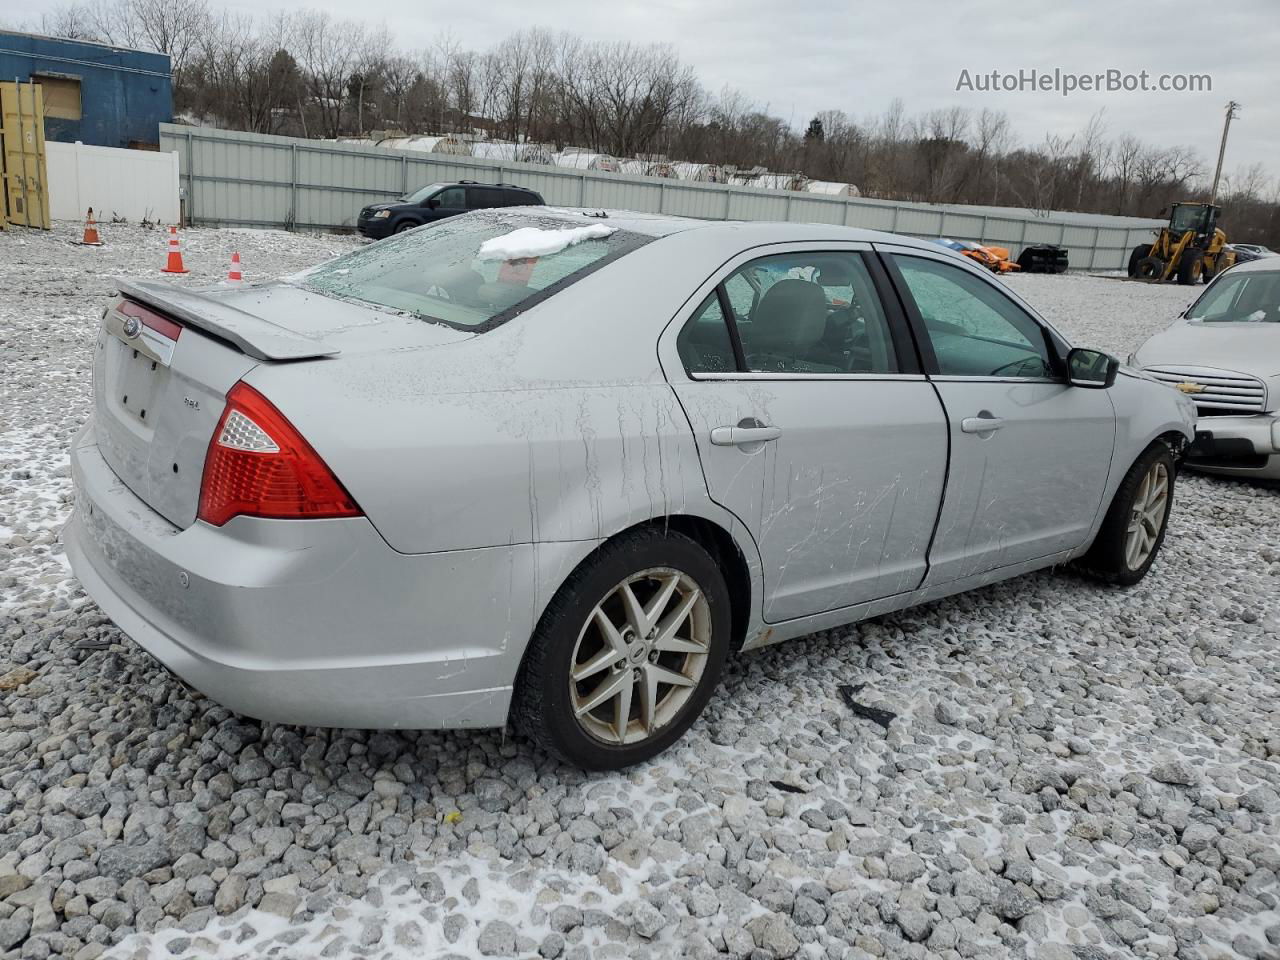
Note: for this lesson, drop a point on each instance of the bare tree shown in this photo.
(327, 52)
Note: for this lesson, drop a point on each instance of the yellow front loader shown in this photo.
(1192, 247)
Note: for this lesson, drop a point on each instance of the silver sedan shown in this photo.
(1224, 353)
(552, 467)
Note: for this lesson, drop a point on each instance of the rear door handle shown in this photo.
(739, 436)
(981, 424)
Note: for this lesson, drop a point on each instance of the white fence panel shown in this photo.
(255, 180)
(132, 184)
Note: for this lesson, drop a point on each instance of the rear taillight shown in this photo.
(260, 466)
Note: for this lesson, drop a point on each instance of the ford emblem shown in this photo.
(132, 327)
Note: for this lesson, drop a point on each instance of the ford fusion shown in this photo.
(551, 468)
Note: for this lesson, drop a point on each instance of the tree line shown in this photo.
(308, 74)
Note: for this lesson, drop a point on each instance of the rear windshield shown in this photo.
(440, 274)
(1240, 298)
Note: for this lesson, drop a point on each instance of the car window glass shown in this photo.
(975, 330)
(452, 198)
(1240, 298)
(439, 274)
(742, 295)
(481, 197)
(703, 344)
(518, 198)
(811, 312)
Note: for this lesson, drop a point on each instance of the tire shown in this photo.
(1140, 253)
(404, 225)
(1189, 267)
(1110, 558)
(547, 704)
(1207, 271)
(1150, 268)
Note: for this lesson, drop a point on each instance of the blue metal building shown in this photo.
(93, 92)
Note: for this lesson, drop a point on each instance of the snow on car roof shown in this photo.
(529, 242)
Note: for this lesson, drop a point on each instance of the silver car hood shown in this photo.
(281, 321)
(1252, 348)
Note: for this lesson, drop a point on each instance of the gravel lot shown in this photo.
(1073, 771)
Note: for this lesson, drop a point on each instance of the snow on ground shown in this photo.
(1074, 771)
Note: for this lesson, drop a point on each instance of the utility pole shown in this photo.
(1232, 107)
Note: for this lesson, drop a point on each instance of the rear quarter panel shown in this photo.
(558, 425)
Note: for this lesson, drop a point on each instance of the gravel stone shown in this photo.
(497, 939)
(647, 920)
(1175, 772)
(916, 925)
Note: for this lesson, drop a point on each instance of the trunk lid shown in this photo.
(166, 357)
(158, 391)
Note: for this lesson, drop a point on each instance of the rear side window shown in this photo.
(520, 198)
(481, 198)
(703, 343)
(440, 275)
(809, 313)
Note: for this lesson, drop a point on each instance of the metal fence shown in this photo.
(232, 178)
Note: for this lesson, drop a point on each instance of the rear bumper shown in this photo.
(314, 622)
(1247, 446)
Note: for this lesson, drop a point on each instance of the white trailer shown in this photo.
(830, 188)
(515, 152)
(447, 144)
(699, 172)
(583, 160)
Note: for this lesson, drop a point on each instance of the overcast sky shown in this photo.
(801, 57)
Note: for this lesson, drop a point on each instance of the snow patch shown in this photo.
(529, 242)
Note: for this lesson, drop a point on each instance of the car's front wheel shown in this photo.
(1134, 528)
(628, 652)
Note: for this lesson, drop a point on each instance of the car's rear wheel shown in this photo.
(627, 654)
(1134, 528)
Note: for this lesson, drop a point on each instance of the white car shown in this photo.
(1224, 353)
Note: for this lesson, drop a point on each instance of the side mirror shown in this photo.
(434, 203)
(1091, 368)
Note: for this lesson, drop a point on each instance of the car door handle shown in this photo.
(981, 424)
(738, 436)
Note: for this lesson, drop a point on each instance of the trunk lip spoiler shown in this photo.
(255, 336)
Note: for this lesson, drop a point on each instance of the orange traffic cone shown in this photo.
(234, 275)
(91, 238)
(174, 263)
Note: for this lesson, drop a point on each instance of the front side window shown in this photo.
(1240, 298)
(451, 198)
(813, 312)
(421, 194)
(439, 274)
(975, 330)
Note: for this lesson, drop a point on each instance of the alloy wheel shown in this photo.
(1146, 518)
(640, 656)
